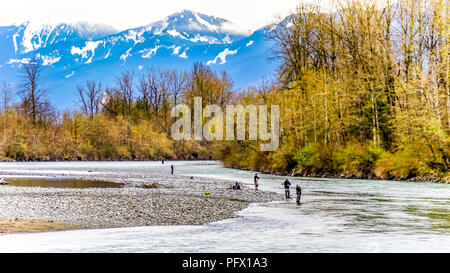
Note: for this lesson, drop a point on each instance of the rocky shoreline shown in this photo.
(424, 179)
(144, 200)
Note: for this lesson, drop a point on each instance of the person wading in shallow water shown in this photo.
(287, 184)
(299, 193)
(255, 179)
(171, 169)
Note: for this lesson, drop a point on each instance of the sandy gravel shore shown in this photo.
(9, 225)
(144, 200)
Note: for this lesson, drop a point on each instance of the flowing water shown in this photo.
(336, 215)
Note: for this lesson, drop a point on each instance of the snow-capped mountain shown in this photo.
(29, 36)
(73, 53)
(194, 27)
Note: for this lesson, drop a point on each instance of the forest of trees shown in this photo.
(130, 120)
(363, 92)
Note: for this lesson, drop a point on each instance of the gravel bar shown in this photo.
(151, 199)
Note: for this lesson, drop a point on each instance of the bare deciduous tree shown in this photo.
(126, 90)
(33, 101)
(6, 96)
(90, 98)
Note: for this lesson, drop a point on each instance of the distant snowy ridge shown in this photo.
(70, 54)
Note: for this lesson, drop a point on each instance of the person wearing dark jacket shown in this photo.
(287, 184)
(255, 180)
(299, 193)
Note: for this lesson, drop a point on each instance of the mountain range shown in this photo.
(70, 54)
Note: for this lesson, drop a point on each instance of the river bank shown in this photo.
(294, 173)
(144, 200)
(425, 179)
(16, 225)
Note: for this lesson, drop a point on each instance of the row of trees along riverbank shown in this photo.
(363, 92)
(129, 120)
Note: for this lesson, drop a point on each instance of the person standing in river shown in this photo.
(299, 193)
(287, 184)
(255, 180)
(171, 169)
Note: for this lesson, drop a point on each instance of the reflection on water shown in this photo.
(336, 215)
(61, 183)
(439, 216)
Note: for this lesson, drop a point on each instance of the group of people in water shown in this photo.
(286, 183)
(287, 186)
(171, 166)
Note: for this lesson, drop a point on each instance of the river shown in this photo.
(336, 215)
